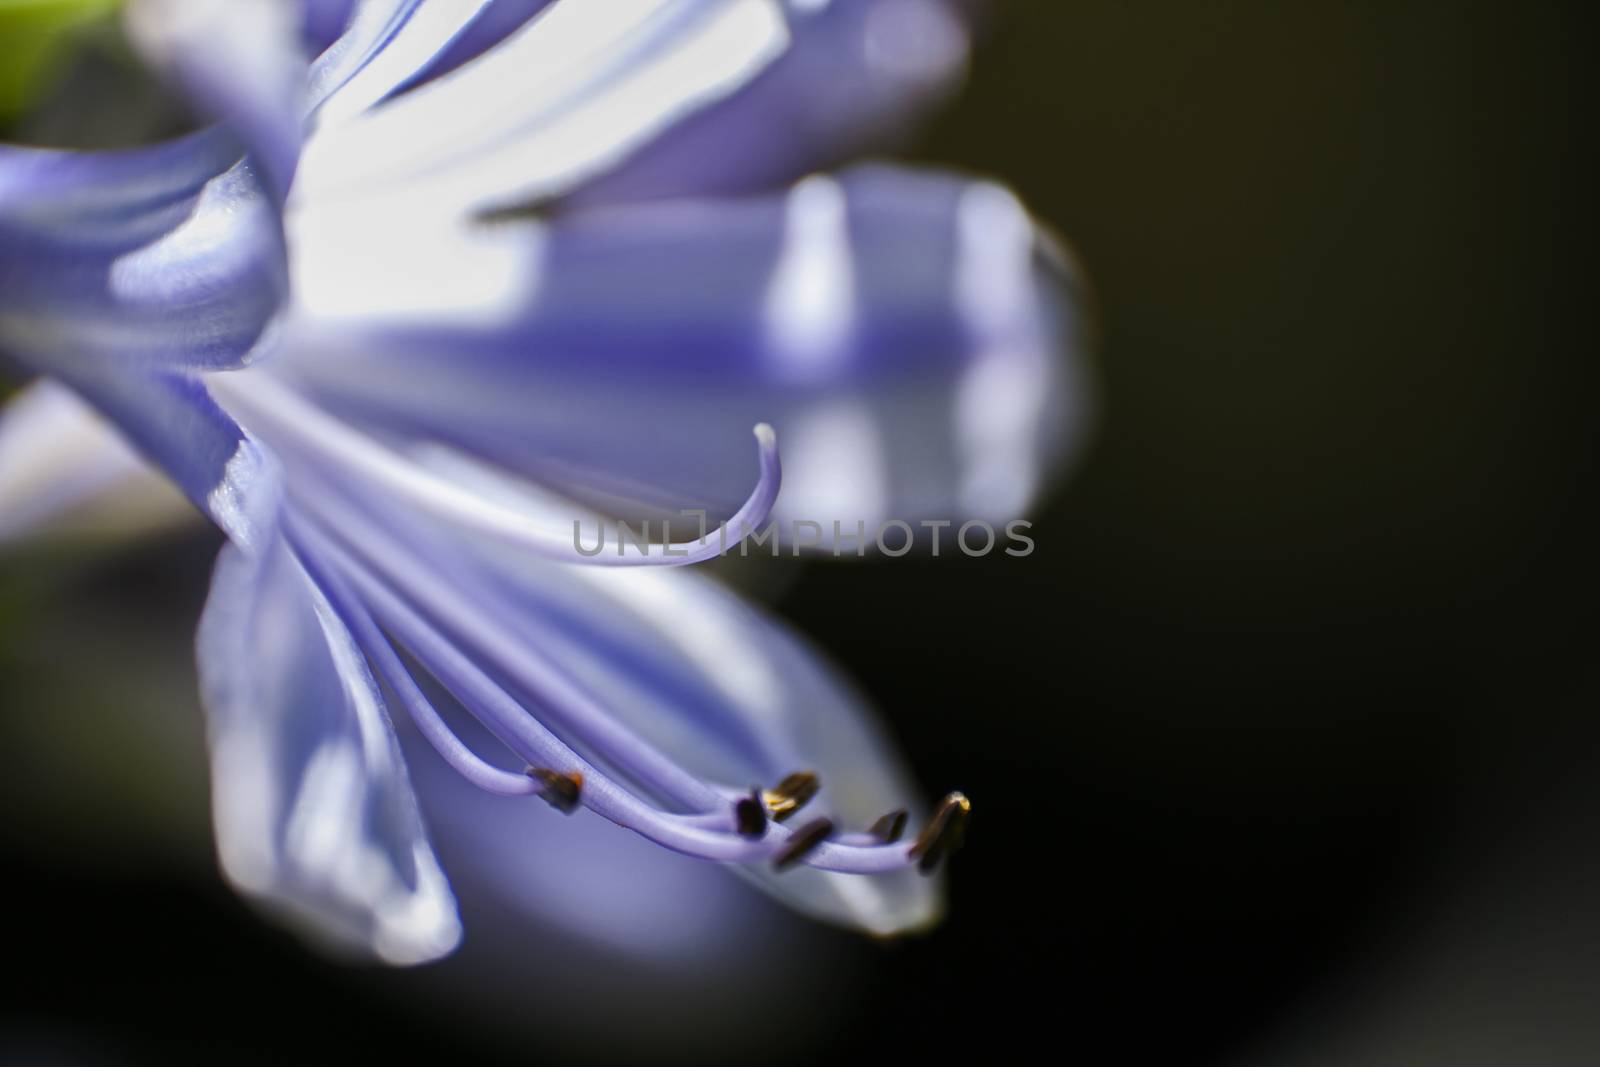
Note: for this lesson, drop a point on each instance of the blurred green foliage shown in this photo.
(35, 36)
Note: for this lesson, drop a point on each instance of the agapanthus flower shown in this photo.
(442, 275)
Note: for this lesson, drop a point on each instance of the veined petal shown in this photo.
(499, 19)
(64, 470)
(411, 38)
(573, 92)
(241, 61)
(914, 339)
(368, 27)
(645, 99)
(859, 72)
(314, 811)
(169, 256)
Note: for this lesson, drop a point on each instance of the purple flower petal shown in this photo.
(368, 27)
(314, 811)
(912, 337)
(738, 699)
(322, 22)
(573, 93)
(499, 20)
(579, 877)
(667, 698)
(241, 61)
(173, 422)
(169, 256)
(389, 43)
(858, 75)
(646, 99)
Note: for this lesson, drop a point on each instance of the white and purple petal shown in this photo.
(640, 99)
(857, 76)
(314, 811)
(168, 256)
(173, 422)
(497, 20)
(914, 338)
(665, 696)
(389, 44)
(570, 94)
(736, 698)
(239, 61)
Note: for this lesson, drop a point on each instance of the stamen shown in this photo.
(803, 843)
(561, 791)
(889, 827)
(750, 815)
(944, 833)
(791, 794)
(381, 654)
(290, 422)
(512, 722)
(465, 609)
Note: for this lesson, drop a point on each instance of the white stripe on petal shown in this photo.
(811, 297)
(313, 806)
(351, 263)
(573, 91)
(840, 470)
(425, 34)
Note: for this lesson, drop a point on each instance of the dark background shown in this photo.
(1281, 744)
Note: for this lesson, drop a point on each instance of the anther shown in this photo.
(943, 834)
(889, 827)
(791, 794)
(802, 843)
(750, 815)
(561, 791)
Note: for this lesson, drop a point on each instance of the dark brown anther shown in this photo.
(889, 827)
(802, 843)
(791, 794)
(561, 791)
(943, 834)
(750, 815)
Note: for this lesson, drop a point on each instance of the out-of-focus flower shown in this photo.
(411, 298)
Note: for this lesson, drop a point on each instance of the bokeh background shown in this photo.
(1281, 745)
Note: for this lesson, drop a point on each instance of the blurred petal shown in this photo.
(172, 420)
(322, 22)
(166, 256)
(649, 98)
(913, 338)
(239, 60)
(314, 812)
(397, 41)
(573, 92)
(859, 72)
(497, 21)
(367, 28)
(65, 471)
